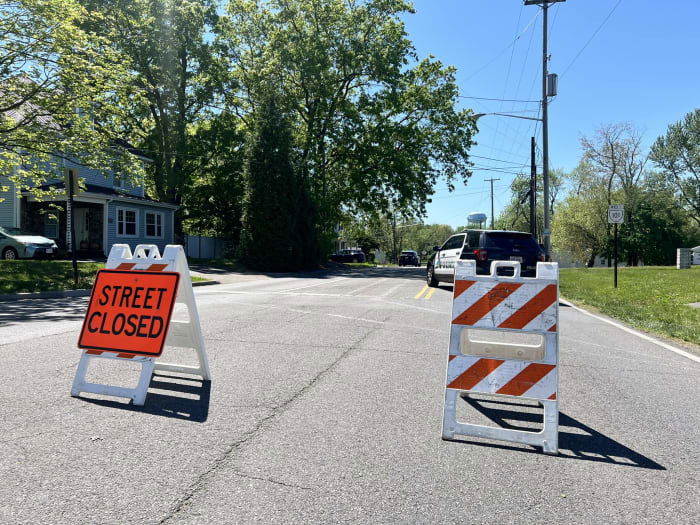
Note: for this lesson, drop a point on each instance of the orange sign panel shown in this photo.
(129, 311)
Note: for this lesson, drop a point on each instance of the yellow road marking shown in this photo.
(421, 292)
(430, 293)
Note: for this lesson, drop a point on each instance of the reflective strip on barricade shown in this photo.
(504, 304)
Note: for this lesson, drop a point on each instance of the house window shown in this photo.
(154, 224)
(50, 226)
(120, 182)
(127, 224)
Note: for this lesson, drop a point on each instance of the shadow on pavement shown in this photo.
(578, 442)
(194, 407)
(59, 309)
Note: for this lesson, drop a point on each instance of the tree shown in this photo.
(175, 79)
(272, 232)
(580, 226)
(56, 78)
(393, 233)
(678, 154)
(374, 125)
(213, 196)
(616, 161)
(516, 214)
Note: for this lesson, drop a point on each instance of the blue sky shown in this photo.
(642, 67)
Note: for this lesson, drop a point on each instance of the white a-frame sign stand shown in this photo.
(183, 334)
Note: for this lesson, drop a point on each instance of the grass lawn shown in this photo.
(44, 276)
(231, 265)
(652, 298)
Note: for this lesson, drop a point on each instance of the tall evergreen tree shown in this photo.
(276, 234)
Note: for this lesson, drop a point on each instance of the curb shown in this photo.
(5, 297)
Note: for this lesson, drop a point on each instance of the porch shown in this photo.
(50, 220)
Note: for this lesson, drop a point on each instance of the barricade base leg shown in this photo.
(136, 394)
(182, 369)
(547, 438)
(202, 369)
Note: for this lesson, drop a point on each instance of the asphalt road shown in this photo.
(326, 406)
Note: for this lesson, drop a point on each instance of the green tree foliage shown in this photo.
(678, 154)
(516, 214)
(56, 81)
(392, 233)
(375, 126)
(616, 162)
(612, 171)
(175, 79)
(272, 229)
(580, 226)
(213, 196)
(661, 225)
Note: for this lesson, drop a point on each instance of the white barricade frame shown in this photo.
(183, 334)
(499, 369)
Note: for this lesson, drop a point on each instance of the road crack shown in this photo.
(270, 480)
(202, 479)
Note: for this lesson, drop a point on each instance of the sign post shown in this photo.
(616, 215)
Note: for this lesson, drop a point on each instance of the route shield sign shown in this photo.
(129, 311)
(616, 213)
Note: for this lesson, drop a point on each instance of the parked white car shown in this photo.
(16, 244)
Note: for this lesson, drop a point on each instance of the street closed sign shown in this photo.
(129, 311)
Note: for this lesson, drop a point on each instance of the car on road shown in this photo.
(16, 244)
(484, 247)
(409, 258)
(349, 255)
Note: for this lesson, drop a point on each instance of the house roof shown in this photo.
(30, 112)
(107, 192)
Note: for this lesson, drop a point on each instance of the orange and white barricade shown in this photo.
(505, 304)
(184, 334)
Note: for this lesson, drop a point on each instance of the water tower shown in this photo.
(476, 220)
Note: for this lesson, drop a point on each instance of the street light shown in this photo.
(477, 116)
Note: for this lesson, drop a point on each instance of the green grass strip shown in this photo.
(651, 298)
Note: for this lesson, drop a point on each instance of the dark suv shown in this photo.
(484, 246)
(409, 257)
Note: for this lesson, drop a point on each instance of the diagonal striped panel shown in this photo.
(526, 379)
(509, 306)
(125, 266)
(474, 374)
(157, 267)
(534, 307)
(486, 303)
(461, 286)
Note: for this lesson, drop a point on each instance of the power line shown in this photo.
(496, 160)
(592, 37)
(511, 44)
(499, 99)
(476, 192)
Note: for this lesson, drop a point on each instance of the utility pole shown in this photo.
(492, 218)
(533, 189)
(545, 128)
